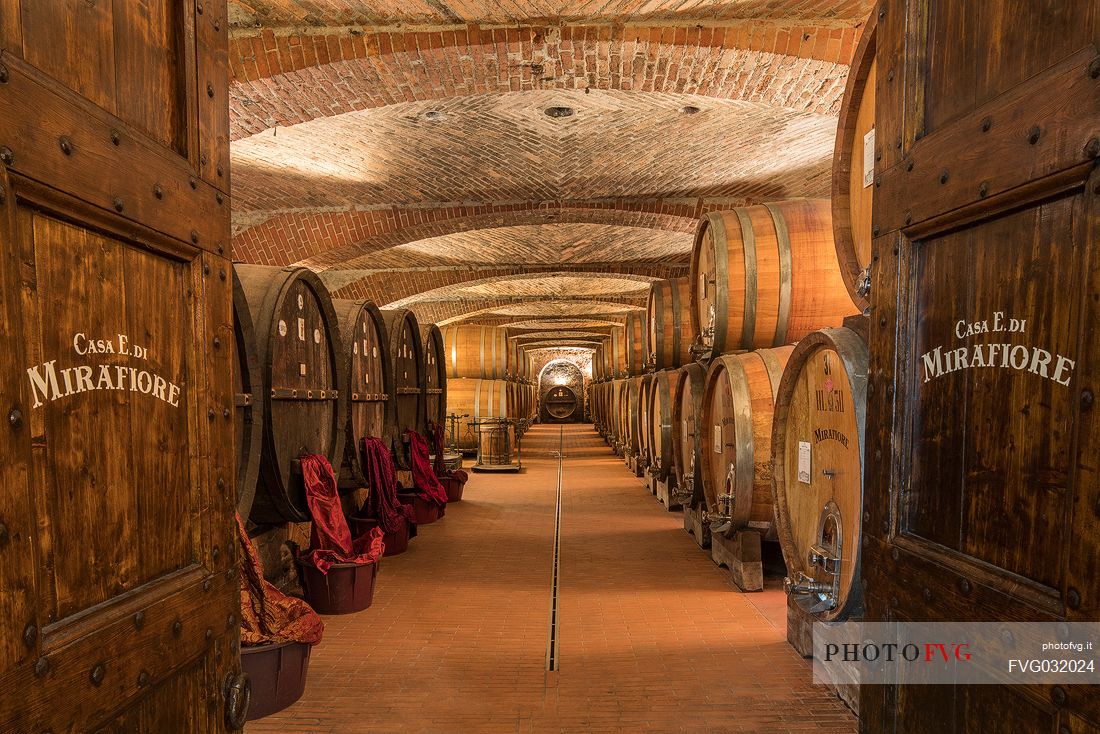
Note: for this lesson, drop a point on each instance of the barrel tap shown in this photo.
(824, 558)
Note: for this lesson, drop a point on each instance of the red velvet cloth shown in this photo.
(439, 467)
(267, 614)
(330, 538)
(382, 503)
(424, 478)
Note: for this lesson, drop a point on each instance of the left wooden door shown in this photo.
(118, 584)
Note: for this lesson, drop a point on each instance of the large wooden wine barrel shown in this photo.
(406, 367)
(817, 444)
(668, 320)
(368, 407)
(635, 345)
(476, 351)
(615, 354)
(621, 415)
(854, 165)
(434, 378)
(687, 413)
(248, 398)
(301, 360)
(659, 440)
(562, 404)
(631, 416)
(765, 276)
(519, 362)
(473, 400)
(736, 441)
(644, 385)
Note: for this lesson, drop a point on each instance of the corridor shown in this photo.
(651, 636)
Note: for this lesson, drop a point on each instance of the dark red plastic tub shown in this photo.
(453, 487)
(396, 542)
(425, 512)
(278, 676)
(346, 588)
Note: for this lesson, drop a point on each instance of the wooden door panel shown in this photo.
(982, 456)
(119, 607)
(990, 483)
(124, 55)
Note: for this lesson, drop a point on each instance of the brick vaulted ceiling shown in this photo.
(404, 150)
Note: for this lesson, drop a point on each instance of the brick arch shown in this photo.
(325, 240)
(286, 76)
(393, 289)
(448, 312)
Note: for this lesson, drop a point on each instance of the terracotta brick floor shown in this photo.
(652, 636)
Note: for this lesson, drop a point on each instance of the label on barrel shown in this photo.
(718, 439)
(301, 329)
(804, 462)
(869, 158)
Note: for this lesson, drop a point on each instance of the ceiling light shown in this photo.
(559, 112)
(690, 109)
(433, 115)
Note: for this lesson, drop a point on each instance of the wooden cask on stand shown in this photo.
(854, 168)
(736, 453)
(764, 276)
(368, 398)
(817, 445)
(476, 351)
(304, 380)
(248, 398)
(434, 378)
(669, 324)
(659, 424)
(687, 414)
(642, 411)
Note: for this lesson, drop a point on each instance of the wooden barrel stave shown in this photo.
(853, 169)
(300, 353)
(736, 444)
(765, 276)
(822, 402)
(368, 398)
(248, 389)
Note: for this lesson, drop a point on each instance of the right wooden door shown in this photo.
(982, 499)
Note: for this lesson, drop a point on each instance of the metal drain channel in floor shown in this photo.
(552, 641)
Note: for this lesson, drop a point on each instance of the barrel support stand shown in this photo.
(665, 489)
(741, 555)
(695, 527)
(800, 634)
(635, 464)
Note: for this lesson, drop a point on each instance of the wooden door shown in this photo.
(982, 444)
(118, 586)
